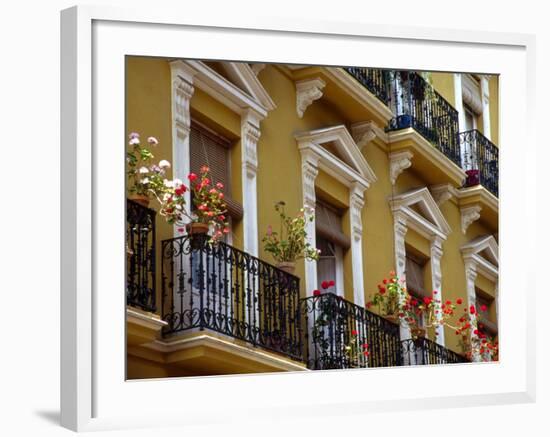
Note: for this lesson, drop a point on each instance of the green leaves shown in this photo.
(290, 244)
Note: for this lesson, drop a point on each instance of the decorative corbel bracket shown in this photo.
(307, 91)
(399, 161)
(469, 215)
(441, 193)
(363, 133)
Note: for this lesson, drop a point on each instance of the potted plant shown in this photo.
(472, 177)
(290, 243)
(390, 298)
(145, 179)
(210, 209)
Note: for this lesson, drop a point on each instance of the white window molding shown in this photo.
(307, 91)
(257, 67)
(480, 257)
(355, 173)
(431, 225)
(190, 74)
(243, 75)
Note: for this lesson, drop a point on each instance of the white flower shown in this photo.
(143, 170)
(134, 141)
(168, 183)
(166, 196)
(145, 181)
(164, 164)
(153, 141)
(177, 183)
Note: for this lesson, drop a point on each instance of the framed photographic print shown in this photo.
(301, 208)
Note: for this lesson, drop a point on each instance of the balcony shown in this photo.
(422, 351)
(337, 331)
(480, 160)
(140, 253)
(417, 105)
(225, 311)
(375, 80)
(222, 289)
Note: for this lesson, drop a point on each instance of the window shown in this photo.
(211, 149)
(486, 323)
(470, 117)
(332, 242)
(414, 272)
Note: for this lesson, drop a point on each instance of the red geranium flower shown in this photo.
(325, 285)
(317, 292)
(180, 190)
(353, 332)
(331, 283)
(472, 309)
(385, 281)
(483, 307)
(192, 177)
(427, 300)
(459, 301)
(381, 289)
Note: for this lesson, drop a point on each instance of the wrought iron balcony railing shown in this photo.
(424, 351)
(140, 254)
(417, 105)
(374, 80)
(220, 288)
(480, 160)
(337, 331)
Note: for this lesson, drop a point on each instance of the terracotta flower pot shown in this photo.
(394, 318)
(197, 228)
(418, 332)
(287, 266)
(140, 199)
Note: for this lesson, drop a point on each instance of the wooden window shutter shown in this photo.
(209, 148)
(328, 224)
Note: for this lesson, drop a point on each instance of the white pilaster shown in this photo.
(459, 102)
(400, 231)
(471, 275)
(309, 174)
(182, 91)
(250, 135)
(436, 252)
(356, 208)
(485, 107)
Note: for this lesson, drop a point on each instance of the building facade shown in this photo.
(400, 167)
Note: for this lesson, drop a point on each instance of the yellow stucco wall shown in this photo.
(279, 170)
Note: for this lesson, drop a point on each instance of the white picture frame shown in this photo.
(94, 41)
